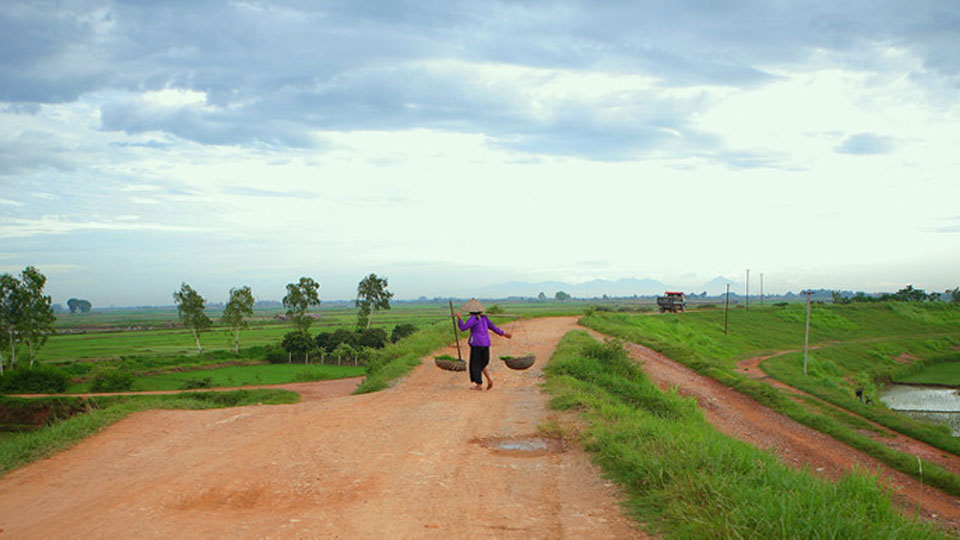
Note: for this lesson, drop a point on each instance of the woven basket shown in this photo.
(450, 365)
(519, 362)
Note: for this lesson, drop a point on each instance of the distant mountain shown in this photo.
(590, 289)
(718, 285)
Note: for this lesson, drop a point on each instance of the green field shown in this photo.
(945, 373)
(150, 332)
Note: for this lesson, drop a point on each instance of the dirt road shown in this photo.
(740, 416)
(418, 460)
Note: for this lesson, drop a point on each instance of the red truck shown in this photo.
(672, 302)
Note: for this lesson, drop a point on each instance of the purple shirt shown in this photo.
(478, 327)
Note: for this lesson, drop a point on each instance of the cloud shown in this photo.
(865, 144)
(256, 192)
(48, 225)
(271, 74)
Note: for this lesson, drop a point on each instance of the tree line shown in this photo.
(372, 296)
(906, 294)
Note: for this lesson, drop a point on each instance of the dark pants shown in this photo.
(479, 358)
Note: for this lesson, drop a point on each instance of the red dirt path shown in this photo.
(402, 463)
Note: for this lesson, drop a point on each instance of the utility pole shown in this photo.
(761, 289)
(806, 334)
(726, 307)
(748, 290)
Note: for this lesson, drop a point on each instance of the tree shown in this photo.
(339, 337)
(954, 295)
(541, 297)
(9, 314)
(298, 342)
(838, 298)
(374, 338)
(26, 314)
(562, 296)
(909, 294)
(372, 295)
(190, 307)
(401, 331)
(238, 307)
(344, 350)
(77, 304)
(37, 318)
(300, 296)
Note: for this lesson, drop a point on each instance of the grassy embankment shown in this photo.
(946, 374)
(859, 343)
(686, 480)
(231, 376)
(18, 449)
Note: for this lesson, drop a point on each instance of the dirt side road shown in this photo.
(407, 462)
(740, 416)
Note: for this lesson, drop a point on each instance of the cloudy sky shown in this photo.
(454, 145)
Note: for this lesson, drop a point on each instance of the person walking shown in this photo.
(480, 327)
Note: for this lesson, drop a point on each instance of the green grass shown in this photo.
(946, 373)
(398, 359)
(884, 331)
(683, 479)
(238, 376)
(18, 449)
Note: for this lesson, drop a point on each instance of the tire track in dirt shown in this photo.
(401, 463)
(742, 417)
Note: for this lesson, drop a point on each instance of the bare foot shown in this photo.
(477, 387)
(489, 385)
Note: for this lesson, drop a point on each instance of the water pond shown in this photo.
(931, 403)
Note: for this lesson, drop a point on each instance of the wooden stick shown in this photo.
(455, 334)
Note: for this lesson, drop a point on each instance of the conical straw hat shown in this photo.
(473, 306)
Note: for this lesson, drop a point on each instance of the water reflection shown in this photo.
(933, 404)
(904, 397)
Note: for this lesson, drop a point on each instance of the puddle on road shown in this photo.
(523, 446)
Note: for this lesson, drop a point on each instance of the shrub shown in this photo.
(321, 339)
(375, 338)
(401, 331)
(313, 373)
(111, 380)
(194, 384)
(494, 310)
(276, 356)
(40, 379)
(27, 414)
(298, 343)
(341, 335)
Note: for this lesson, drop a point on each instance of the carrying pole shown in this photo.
(455, 334)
